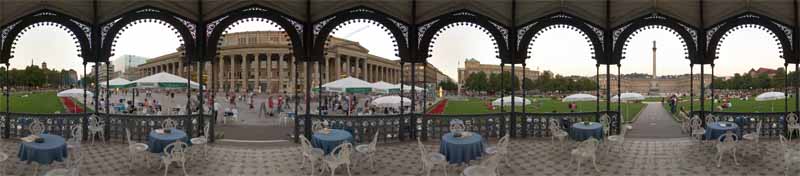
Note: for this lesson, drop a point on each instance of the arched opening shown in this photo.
(562, 65)
(35, 77)
(749, 64)
(655, 66)
(361, 50)
(473, 64)
(149, 50)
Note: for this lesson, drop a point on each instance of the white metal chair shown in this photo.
(72, 169)
(500, 150)
(710, 119)
(317, 126)
(36, 127)
(339, 156)
(792, 125)
(175, 152)
(754, 138)
(604, 120)
(96, 128)
(557, 132)
(369, 150)
(697, 130)
(169, 123)
(309, 153)
(134, 149)
(201, 142)
(686, 125)
(487, 167)
(617, 141)
(74, 143)
(790, 156)
(430, 160)
(586, 151)
(726, 144)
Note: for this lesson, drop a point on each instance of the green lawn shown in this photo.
(44, 103)
(741, 105)
(476, 106)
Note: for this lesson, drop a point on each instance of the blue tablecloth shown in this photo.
(580, 132)
(157, 142)
(327, 142)
(52, 149)
(715, 129)
(742, 121)
(461, 150)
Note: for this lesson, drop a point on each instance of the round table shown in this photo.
(580, 131)
(327, 142)
(716, 129)
(157, 141)
(52, 149)
(462, 149)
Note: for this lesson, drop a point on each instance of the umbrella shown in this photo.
(390, 101)
(768, 96)
(579, 97)
(519, 101)
(118, 83)
(164, 80)
(349, 85)
(629, 96)
(73, 93)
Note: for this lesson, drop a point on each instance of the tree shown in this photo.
(448, 85)
(528, 84)
(476, 82)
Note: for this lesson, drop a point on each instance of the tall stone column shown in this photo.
(221, 69)
(258, 73)
(337, 69)
(232, 73)
(279, 74)
(246, 71)
(363, 69)
(269, 73)
(292, 70)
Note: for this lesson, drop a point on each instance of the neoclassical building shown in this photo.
(262, 61)
(474, 66)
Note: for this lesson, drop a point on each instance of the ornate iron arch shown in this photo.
(293, 28)
(687, 33)
(324, 28)
(184, 28)
(527, 33)
(781, 32)
(428, 31)
(77, 29)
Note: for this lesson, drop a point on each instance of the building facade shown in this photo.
(262, 61)
(474, 66)
(666, 85)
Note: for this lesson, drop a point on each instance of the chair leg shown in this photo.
(183, 165)
(166, 169)
(594, 162)
(719, 159)
(348, 170)
(444, 169)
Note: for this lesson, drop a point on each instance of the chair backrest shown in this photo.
(342, 152)
(206, 130)
(710, 118)
(491, 163)
(588, 145)
(503, 144)
(305, 144)
(783, 142)
(169, 123)
(374, 144)
(94, 121)
(791, 118)
(77, 133)
(758, 127)
(317, 126)
(457, 127)
(128, 136)
(176, 151)
(729, 138)
(554, 126)
(696, 123)
(604, 120)
(36, 127)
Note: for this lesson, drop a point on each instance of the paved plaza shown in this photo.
(528, 157)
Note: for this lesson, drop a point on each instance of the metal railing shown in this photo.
(772, 123)
(430, 127)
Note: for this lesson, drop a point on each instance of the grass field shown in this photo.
(476, 106)
(742, 105)
(44, 103)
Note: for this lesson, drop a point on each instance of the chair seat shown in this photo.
(436, 157)
(57, 172)
(614, 138)
(363, 148)
(95, 129)
(140, 147)
(3, 157)
(198, 140)
(699, 132)
(580, 153)
(491, 150)
(751, 136)
(560, 134)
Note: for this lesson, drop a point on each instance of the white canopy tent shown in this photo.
(628, 96)
(164, 80)
(348, 85)
(74, 93)
(392, 101)
(579, 97)
(117, 83)
(769, 96)
(506, 101)
(381, 86)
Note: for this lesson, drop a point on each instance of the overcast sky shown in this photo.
(562, 51)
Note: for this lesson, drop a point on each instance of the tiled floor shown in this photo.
(528, 157)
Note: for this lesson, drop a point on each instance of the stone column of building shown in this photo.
(363, 68)
(292, 70)
(246, 72)
(269, 73)
(337, 69)
(279, 74)
(232, 72)
(220, 72)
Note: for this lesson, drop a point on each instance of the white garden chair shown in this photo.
(557, 132)
(135, 149)
(201, 142)
(309, 153)
(790, 155)
(792, 125)
(754, 138)
(686, 125)
(431, 159)
(500, 150)
(96, 128)
(487, 167)
(175, 152)
(586, 151)
(36, 127)
(604, 120)
(617, 141)
(726, 144)
(169, 123)
(369, 150)
(339, 156)
(317, 126)
(697, 130)
(74, 143)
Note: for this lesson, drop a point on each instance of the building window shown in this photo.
(242, 41)
(253, 40)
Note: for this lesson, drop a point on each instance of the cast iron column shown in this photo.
(712, 88)
(691, 88)
(702, 92)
